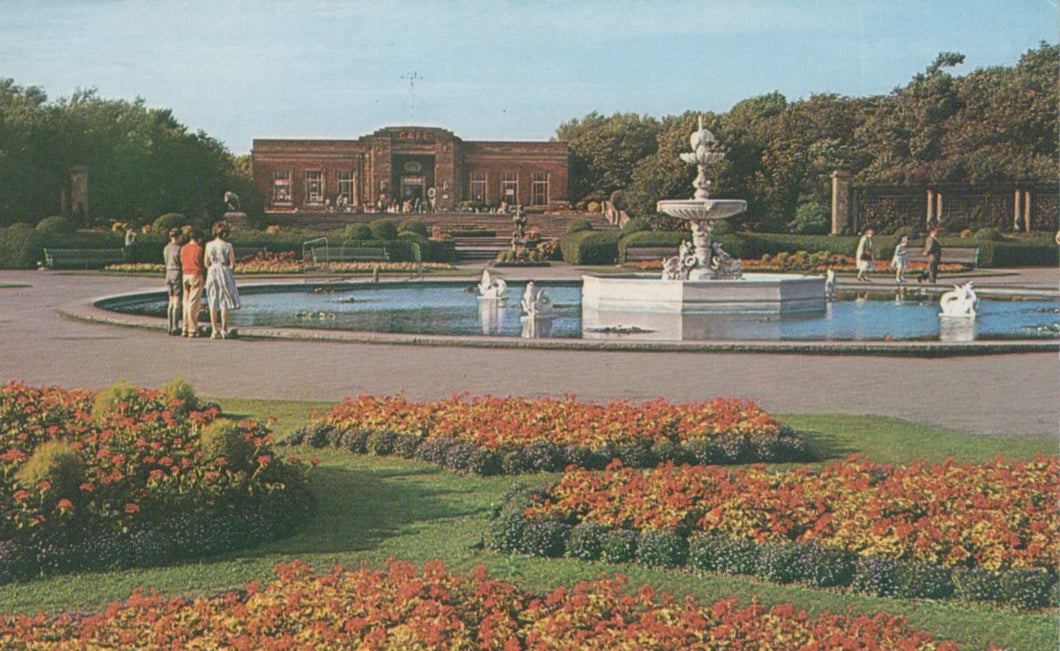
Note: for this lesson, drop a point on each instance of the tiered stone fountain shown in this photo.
(702, 279)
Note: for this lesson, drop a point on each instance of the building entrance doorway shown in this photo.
(413, 188)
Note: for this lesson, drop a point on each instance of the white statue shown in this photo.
(535, 304)
(829, 285)
(960, 301)
(679, 266)
(723, 264)
(491, 288)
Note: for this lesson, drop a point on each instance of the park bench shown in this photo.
(966, 255)
(350, 254)
(82, 258)
(649, 253)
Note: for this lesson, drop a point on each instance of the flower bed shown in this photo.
(288, 263)
(803, 261)
(405, 608)
(489, 435)
(133, 477)
(982, 532)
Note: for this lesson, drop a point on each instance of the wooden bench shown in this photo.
(649, 253)
(349, 254)
(82, 258)
(968, 256)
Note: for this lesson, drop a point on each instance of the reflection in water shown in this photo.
(536, 327)
(956, 328)
(491, 315)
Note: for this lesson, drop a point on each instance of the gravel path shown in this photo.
(1008, 395)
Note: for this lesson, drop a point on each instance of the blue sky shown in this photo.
(502, 70)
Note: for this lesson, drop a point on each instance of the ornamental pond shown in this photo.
(453, 308)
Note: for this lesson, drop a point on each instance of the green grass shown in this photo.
(373, 508)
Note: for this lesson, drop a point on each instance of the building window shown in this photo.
(539, 189)
(477, 187)
(347, 182)
(510, 188)
(281, 187)
(314, 186)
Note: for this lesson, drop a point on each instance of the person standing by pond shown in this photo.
(865, 262)
(191, 266)
(900, 261)
(221, 292)
(933, 253)
(174, 278)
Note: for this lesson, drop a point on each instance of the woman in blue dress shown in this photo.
(221, 292)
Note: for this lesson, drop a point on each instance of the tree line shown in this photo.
(141, 162)
(994, 125)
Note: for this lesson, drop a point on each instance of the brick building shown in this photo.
(399, 163)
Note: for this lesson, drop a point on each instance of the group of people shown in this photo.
(193, 270)
(866, 261)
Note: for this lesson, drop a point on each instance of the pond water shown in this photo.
(455, 309)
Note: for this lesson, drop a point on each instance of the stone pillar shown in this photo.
(840, 200)
(79, 193)
(1027, 211)
(929, 219)
(1017, 218)
(938, 207)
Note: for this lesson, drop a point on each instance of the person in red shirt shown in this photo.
(193, 277)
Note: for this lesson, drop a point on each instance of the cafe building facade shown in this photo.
(426, 166)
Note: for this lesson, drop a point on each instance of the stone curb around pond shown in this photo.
(91, 312)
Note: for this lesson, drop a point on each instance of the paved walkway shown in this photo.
(1009, 395)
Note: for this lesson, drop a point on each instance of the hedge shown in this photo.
(652, 239)
(784, 562)
(590, 247)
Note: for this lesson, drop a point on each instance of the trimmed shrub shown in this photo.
(506, 532)
(584, 542)
(459, 455)
(168, 221)
(579, 225)
(413, 226)
(988, 235)
(179, 390)
(635, 456)
(57, 462)
(117, 397)
(705, 452)
(434, 450)
(662, 549)
(56, 225)
(512, 463)
(590, 247)
(315, 435)
(636, 225)
(383, 229)
(224, 438)
(21, 247)
(618, 545)
(736, 555)
(358, 232)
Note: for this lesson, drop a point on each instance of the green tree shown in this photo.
(603, 151)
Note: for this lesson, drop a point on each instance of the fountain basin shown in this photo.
(700, 209)
(754, 294)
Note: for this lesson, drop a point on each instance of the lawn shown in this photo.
(372, 508)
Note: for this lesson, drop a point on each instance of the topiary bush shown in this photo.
(779, 562)
(383, 229)
(546, 538)
(56, 225)
(118, 397)
(1029, 589)
(358, 232)
(988, 235)
(976, 584)
(57, 463)
(876, 576)
(224, 438)
(168, 221)
(181, 395)
(636, 225)
(413, 226)
(579, 225)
